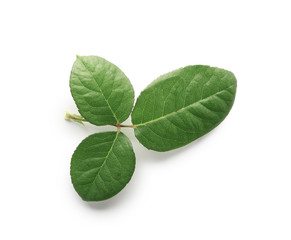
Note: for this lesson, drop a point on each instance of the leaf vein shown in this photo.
(190, 105)
(110, 150)
(100, 89)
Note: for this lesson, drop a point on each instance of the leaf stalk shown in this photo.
(80, 119)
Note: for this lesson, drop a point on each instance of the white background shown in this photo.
(233, 183)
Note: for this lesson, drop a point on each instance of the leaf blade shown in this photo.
(195, 100)
(102, 165)
(102, 92)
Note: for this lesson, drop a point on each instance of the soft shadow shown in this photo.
(115, 201)
(88, 128)
(145, 154)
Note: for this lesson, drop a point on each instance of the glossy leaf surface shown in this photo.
(102, 92)
(182, 106)
(102, 165)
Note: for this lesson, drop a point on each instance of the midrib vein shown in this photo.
(117, 122)
(181, 109)
(110, 150)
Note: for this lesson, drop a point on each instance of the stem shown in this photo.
(122, 125)
(75, 117)
(80, 119)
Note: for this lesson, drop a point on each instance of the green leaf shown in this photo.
(102, 92)
(182, 106)
(102, 165)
